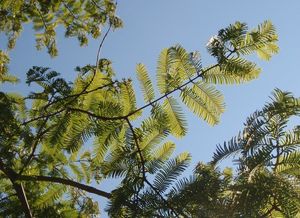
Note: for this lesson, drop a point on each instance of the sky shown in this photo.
(150, 26)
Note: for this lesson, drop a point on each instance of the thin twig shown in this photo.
(101, 44)
(84, 92)
(43, 116)
(138, 149)
(95, 3)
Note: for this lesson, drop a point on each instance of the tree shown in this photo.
(267, 176)
(47, 169)
(79, 18)
(268, 160)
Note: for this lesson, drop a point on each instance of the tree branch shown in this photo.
(101, 44)
(80, 93)
(63, 181)
(44, 116)
(95, 115)
(20, 192)
(22, 198)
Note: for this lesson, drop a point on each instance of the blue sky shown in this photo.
(150, 26)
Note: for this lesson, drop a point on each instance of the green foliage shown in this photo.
(146, 84)
(45, 136)
(229, 47)
(268, 156)
(199, 106)
(175, 117)
(4, 75)
(79, 18)
(170, 171)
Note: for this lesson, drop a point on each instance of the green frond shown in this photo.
(283, 104)
(175, 65)
(181, 185)
(18, 104)
(8, 78)
(267, 51)
(170, 171)
(90, 100)
(54, 193)
(150, 139)
(115, 167)
(217, 76)
(121, 158)
(128, 98)
(78, 131)
(4, 61)
(55, 135)
(153, 165)
(181, 61)
(239, 66)
(103, 141)
(289, 164)
(85, 155)
(257, 159)
(229, 148)
(79, 84)
(262, 40)
(86, 172)
(290, 140)
(145, 82)
(157, 120)
(109, 107)
(266, 29)
(157, 111)
(195, 60)
(163, 65)
(73, 156)
(234, 33)
(184, 156)
(213, 98)
(164, 151)
(198, 106)
(76, 170)
(176, 119)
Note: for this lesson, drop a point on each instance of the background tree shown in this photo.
(267, 153)
(80, 19)
(46, 166)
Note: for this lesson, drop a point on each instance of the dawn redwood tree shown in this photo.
(45, 167)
